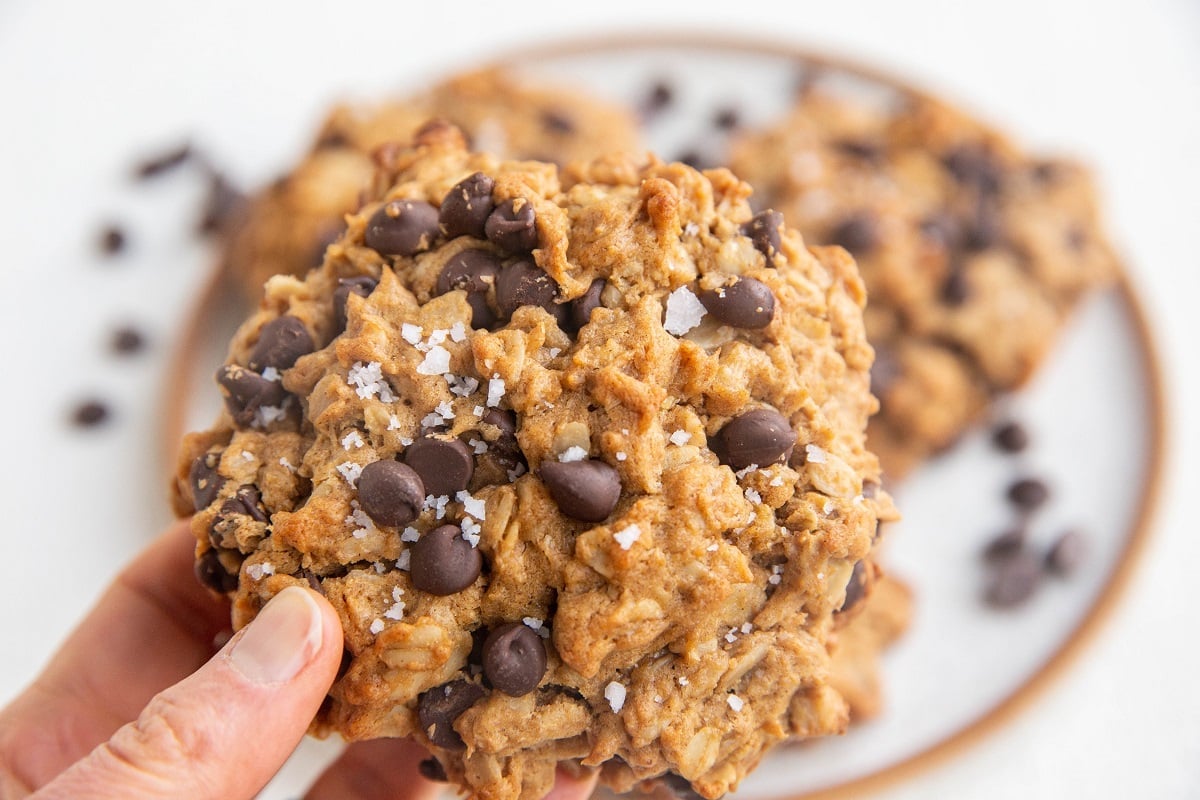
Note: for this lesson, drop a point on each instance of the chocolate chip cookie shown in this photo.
(287, 225)
(858, 646)
(974, 253)
(576, 454)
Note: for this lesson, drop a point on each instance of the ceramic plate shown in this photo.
(962, 668)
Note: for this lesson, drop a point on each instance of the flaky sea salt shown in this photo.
(410, 534)
(614, 693)
(741, 473)
(684, 312)
(377, 627)
(271, 374)
(436, 362)
(472, 506)
(683, 681)
(396, 610)
(259, 571)
(776, 481)
(814, 454)
(393, 423)
(265, 415)
(478, 445)
(495, 391)
(350, 471)
(458, 332)
(680, 437)
(403, 561)
(620, 455)
(776, 576)
(411, 333)
(712, 548)
(359, 518)
(753, 496)
(735, 702)
(289, 466)
(368, 381)
(573, 453)
(470, 531)
(628, 536)
(352, 439)
(247, 455)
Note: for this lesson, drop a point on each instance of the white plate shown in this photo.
(962, 668)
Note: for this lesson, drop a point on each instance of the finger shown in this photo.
(221, 733)
(382, 769)
(570, 787)
(152, 627)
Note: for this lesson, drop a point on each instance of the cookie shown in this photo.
(974, 253)
(288, 224)
(859, 646)
(577, 456)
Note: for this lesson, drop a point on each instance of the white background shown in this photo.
(86, 87)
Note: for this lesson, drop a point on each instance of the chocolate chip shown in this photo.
(247, 500)
(443, 563)
(975, 167)
(1011, 437)
(763, 229)
(327, 236)
(762, 436)
(361, 286)
(726, 119)
(505, 450)
(432, 770)
(858, 233)
(556, 121)
(693, 158)
(586, 490)
(514, 659)
(856, 587)
(1066, 554)
(280, 342)
(1076, 238)
(1028, 494)
(164, 162)
(246, 392)
(870, 489)
(222, 205)
(112, 240)
(206, 483)
(1005, 545)
(445, 465)
(390, 493)
(680, 787)
(943, 228)
(746, 303)
(466, 207)
(1013, 581)
(402, 228)
(661, 95)
(512, 226)
(523, 283)
(956, 289)
(986, 228)
(438, 707)
(475, 271)
(862, 149)
(581, 307)
(212, 573)
(885, 371)
(90, 413)
(127, 340)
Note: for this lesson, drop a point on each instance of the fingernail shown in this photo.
(284, 637)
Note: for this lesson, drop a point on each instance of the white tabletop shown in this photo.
(88, 87)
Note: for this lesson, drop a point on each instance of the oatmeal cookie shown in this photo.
(858, 646)
(577, 456)
(287, 225)
(973, 252)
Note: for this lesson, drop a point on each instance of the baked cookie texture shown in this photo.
(974, 253)
(288, 224)
(858, 647)
(578, 457)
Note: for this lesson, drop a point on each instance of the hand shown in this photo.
(98, 722)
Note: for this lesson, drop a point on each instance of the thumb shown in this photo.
(222, 732)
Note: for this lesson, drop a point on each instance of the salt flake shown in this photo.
(814, 454)
(437, 362)
(614, 693)
(684, 311)
(628, 536)
(573, 453)
(735, 702)
(680, 437)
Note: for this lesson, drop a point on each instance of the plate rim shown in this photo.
(218, 288)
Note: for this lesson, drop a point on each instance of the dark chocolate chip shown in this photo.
(862, 149)
(432, 770)
(505, 450)
(956, 289)
(943, 228)
(206, 483)
(1005, 545)
(212, 573)
(280, 342)
(246, 500)
(445, 465)
(870, 489)
(762, 436)
(443, 563)
(523, 283)
(112, 240)
(1013, 581)
(163, 162)
(1076, 238)
(1011, 437)
(680, 787)
(127, 340)
(693, 158)
(1066, 554)
(402, 228)
(661, 95)
(222, 205)
(763, 229)
(475, 271)
(466, 207)
(581, 307)
(885, 371)
(856, 587)
(746, 303)
(246, 392)
(858, 233)
(975, 167)
(557, 121)
(986, 228)
(1028, 494)
(1047, 171)
(726, 119)
(328, 235)
(90, 413)
(514, 659)
(586, 490)
(361, 286)
(437, 708)
(333, 139)
(512, 226)
(390, 493)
